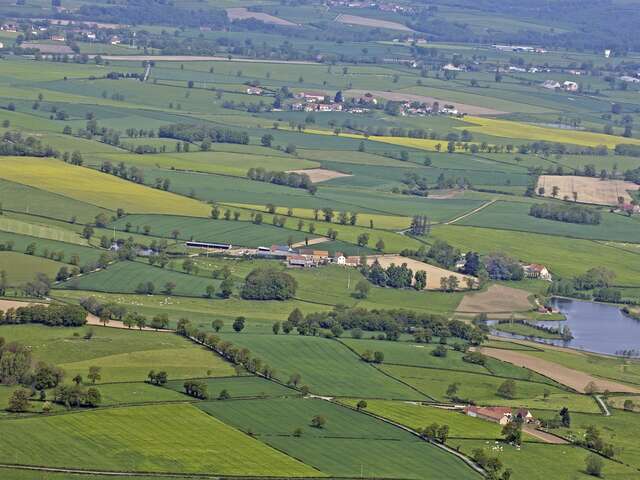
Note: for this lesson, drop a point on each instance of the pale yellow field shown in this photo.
(434, 274)
(421, 143)
(589, 190)
(387, 222)
(96, 188)
(507, 129)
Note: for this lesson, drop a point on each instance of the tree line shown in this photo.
(566, 213)
(289, 179)
(199, 133)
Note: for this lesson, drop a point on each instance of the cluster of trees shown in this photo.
(157, 378)
(54, 315)
(633, 175)
(17, 145)
(196, 389)
(292, 179)
(394, 276)
(435, 432)
(492, 465)
(268, 284)
(16, 367)
(133, 173)
(372, 357)
(500, 266)
(77, 396)
(593, 440)
(200, 133)
(595, 282)
(416, 185)
(391, 323)
(566, 213)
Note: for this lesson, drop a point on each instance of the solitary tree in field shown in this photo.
(362, 404)
(238, 324)
(318, 421)
(362, 288)
(452, 389)
(380, 245)
(594, 465)
(217, 325)
(555, 191)
(294, 379)
(94, 374)
(507, 389)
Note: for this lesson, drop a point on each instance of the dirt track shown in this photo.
(544, 436)
(566, 376)
(410, 97)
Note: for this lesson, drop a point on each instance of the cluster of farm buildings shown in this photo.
(500, 415)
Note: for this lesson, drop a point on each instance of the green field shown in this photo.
(178, 140)
(145, 439)
(242, 233)
(563, 256)
(124, 277)
(123, 355)
(327, 367)
(43, 245)
(95, 188)
(416, 416)
(515, 216)
(273, 421)
(244, 386)
(482, 389)
(23, 268)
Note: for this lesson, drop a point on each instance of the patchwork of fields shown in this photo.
(193, 121)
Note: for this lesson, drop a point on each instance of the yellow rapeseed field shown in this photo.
(421, 143)
(96, 188)
(508, 129)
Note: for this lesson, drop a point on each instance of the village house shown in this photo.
(319, 256)
(301, 261)
(454, 68)
(347, 261)
(254, 91)
(57, 38)
(115, 40)
(570, 86)
(312, 96)
(536, 270)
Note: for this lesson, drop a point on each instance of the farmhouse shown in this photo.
(348, 261)
(536, 270)
(570, 86)
(254, 91)
(301, 261)
(311, 96)
(57, 38)
(500, 415)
